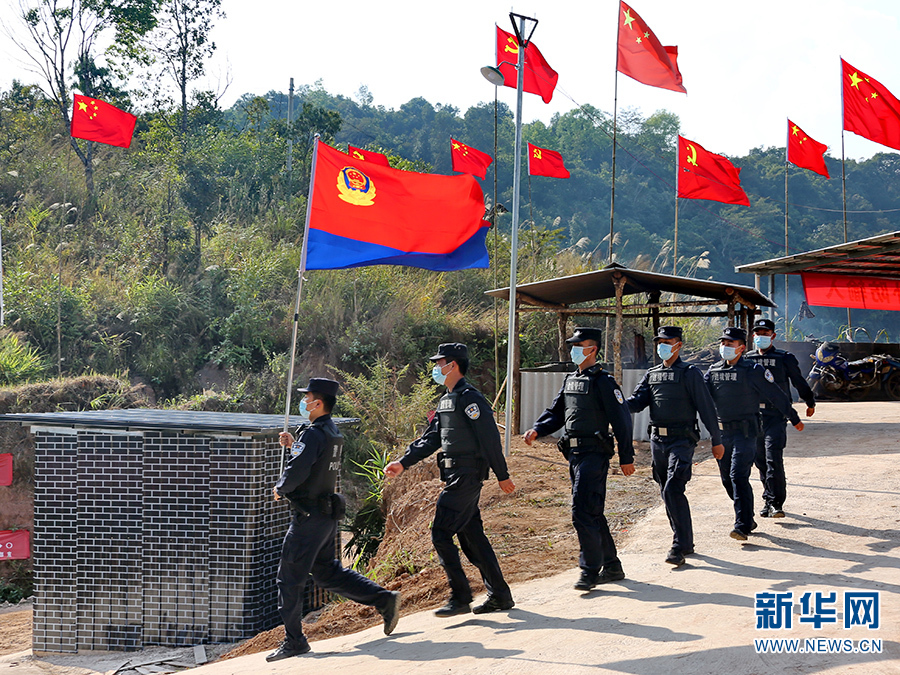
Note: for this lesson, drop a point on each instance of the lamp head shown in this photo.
(493, 75)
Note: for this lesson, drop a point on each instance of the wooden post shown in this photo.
(562, 320)
(619, 280)
(654, 298)
(730, 311)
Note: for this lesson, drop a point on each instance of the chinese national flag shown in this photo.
(706, 175)
(642, 57)
(94, 120)
(543, 162)
(469, 160)
(6, 464)
(368, 155)
(539, 79)
(805, 152)
(870, 110)
(15, 545)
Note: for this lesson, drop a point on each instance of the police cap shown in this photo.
(451, 351)
(321, 385)
(764, 323)
(734, 333)
(582, 334)
(669, 333)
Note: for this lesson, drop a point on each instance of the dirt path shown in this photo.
(841, 535)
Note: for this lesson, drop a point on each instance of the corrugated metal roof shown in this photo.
(874, 256)
(598, 285)
(147, 418)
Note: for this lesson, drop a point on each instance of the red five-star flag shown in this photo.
(706, 175)
(806, 152)
(94, 120)
(469, 160)
(539, 79)
(543, 162)
(870, 110)
(367, 155)
(642, 57)
(6, 466)
(15, 545)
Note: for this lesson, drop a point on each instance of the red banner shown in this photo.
(15, 545)
(6, 468)
(843, 290)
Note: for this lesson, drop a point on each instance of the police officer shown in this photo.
(464, 429)
(676, 393)
(308, 483)
(588, 402)
(737, 386)
(770, 443)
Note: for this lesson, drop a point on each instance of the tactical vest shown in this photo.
(458, 437)
(670, 402)
(585, 414)
(324, 473)
(773, 361)
(732, 392)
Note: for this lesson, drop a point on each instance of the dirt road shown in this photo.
(841, 535)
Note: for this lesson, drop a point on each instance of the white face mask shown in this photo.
(728, 353)
(762, 342)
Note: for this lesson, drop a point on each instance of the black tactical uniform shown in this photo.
(587, 404)
(675, 395)
(308, 482)
(770, 443)
(463, 428)
(737, 391)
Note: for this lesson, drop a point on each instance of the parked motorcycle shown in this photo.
(833, 376)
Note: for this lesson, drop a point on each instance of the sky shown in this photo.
(747, 66)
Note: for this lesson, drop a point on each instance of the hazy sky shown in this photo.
(747, 66)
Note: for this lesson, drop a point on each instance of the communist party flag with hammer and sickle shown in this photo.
(367, 155)
(539, 77)
(805, 152)
(642, 57)
(543, 162)
(706, 175)
(94, 120)
(467, 159)
(870, 110)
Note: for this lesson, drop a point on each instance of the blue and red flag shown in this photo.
(367, 214)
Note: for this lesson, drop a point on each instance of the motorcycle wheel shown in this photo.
(892, 387)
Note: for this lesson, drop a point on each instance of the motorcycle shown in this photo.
(833, 376)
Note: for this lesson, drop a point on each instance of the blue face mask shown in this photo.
(304, 411)
(577, 354)
(665, 351)
(762, 342)
(438, 375)
(727, 353)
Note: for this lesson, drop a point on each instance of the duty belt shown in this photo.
(747, 427)
(673, 431)
(458, 461)
(587, 443)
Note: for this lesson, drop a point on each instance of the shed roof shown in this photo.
(598, 285)
(877, 256)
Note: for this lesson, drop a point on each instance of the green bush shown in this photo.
(18, 362)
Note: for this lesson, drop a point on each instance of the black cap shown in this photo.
(734, 333)
(582, 334)
(320, 385)
(668, 333)
(450, 351)
(763, 323)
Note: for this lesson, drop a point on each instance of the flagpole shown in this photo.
(787, 314)
(844, 180)
(612, 200)
(301, 270)
(496, 239)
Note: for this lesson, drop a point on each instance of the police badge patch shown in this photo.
(297, 448)
(769, 376)
(619, 397)
(473, 411)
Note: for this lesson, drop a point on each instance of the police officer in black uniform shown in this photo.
(770, 443)
(464, 429)
(589, 402)
(308, 483)
(676, 393)
(738, 386)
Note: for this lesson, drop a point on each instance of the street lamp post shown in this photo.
(495, 77)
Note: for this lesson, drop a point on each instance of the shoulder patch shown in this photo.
(297, 448)
(769, 376)
(619, 397)
(473, 412)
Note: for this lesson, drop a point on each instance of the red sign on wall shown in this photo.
(6, 468)
(857, 292)
(15, 545)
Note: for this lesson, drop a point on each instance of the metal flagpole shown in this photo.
(2, 306)
(290, 143)
(300, 272)
(844, 181)
(787, 314)
(496, 239)
(675, 252)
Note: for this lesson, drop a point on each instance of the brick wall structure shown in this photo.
(155, 528)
